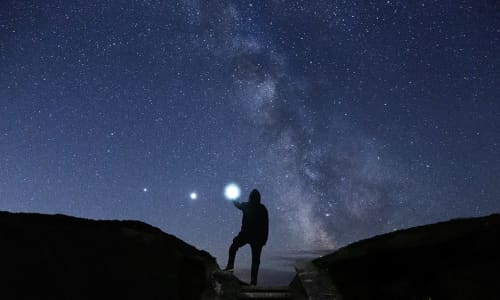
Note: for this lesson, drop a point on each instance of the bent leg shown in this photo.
(238, 242)
(256, 251)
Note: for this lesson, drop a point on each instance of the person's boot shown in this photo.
(254, 273)
(231, 257)
(253, 276)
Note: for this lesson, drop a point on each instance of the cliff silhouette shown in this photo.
(457, 259)
(62, 257)
(57, 256)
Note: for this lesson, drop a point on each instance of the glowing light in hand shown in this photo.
(232, 191)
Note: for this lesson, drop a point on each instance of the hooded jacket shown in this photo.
(255, 223)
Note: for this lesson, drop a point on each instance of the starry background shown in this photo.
(352, 118)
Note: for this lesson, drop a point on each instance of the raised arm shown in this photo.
(238, 205)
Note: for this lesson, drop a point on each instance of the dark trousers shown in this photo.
(238, 242)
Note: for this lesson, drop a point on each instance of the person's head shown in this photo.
(254, 196)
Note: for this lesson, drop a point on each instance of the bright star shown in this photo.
(145, 190)
(232, 191)
(193, 196)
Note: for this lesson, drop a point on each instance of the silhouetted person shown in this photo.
(254, 231)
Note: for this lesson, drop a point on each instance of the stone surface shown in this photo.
(315, 282)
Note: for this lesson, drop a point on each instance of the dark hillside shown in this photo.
(56, 256)
(458, 259)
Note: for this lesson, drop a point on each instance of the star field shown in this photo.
(352, 118)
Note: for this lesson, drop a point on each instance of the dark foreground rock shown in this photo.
(56, 256)
(458, 259)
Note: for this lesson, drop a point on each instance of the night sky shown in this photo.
(353, 118)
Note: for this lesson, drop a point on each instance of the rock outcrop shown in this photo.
(458, 259)
(56, 256)
(61, 257)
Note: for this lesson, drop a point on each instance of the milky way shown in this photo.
(353, 118)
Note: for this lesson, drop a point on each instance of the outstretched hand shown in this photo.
(237, 204)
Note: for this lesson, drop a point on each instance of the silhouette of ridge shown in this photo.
(456, 259)
(57, 256)
(62, 257)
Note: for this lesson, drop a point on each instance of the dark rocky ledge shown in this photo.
(61, 257)
(458, 259)
(56, 256)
